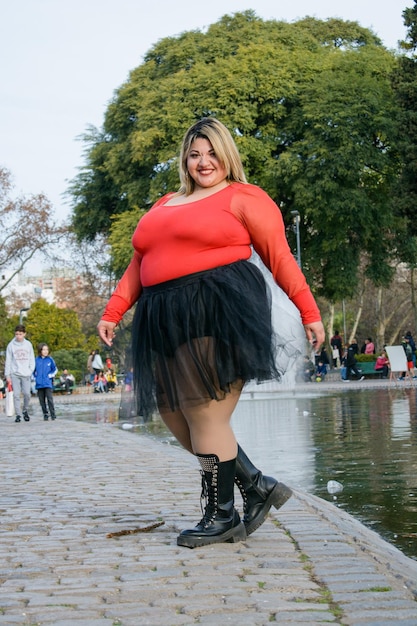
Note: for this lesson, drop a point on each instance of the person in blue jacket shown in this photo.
(45, 372)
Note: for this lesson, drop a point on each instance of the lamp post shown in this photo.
(296, 228)
(21, 314)
(344, 321)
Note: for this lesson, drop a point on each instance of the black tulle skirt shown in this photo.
(197, 336)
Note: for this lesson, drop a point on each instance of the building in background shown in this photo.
(53, 284)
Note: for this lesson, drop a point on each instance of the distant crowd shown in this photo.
(315, 366)
(25, 374)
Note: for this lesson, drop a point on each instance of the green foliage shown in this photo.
(410, 21)
(6, 327)
(311, 108)
(59, 328)
(94, 185)
(404, 80)
(74, 360)
(366, 358)
(339, 172)
(120, 237)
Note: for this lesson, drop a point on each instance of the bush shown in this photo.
(366, 358)
(74, 360)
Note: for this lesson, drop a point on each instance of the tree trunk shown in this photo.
(330, 324)
(413, 296)
(380, 321)
(358, 317)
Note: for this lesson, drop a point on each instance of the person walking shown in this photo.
(351, 363)
(45, 372)
(18, 369)
(202, 325)
(405, 342)
(412, 344)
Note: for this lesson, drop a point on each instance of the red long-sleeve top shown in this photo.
(173, 241)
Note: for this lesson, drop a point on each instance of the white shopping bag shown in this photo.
(9, 403)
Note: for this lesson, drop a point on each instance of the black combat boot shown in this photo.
(220, 522)
(259, 492)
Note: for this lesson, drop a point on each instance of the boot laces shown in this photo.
(208, 498)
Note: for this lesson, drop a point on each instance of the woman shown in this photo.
(97, 363)
(111, 379)
(382, 364)
(45, 372)
(202, 325)
(369, 346)
(100, 383)
(90, 372)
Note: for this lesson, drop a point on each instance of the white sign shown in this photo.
(397, 358)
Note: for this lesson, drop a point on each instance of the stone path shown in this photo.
(66, 484)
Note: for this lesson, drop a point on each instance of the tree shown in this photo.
(120, 237)
(340, 169)
(88, 284)
(404, 81)
(74, 360)
(26, 227)
(59, 328)
(94, 186)
(405, 89)
(6, 332)
(6, 326)
(310, 106)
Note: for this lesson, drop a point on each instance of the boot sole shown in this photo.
(238, 533)
(278, 496)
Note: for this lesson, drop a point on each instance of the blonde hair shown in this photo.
(223, 145)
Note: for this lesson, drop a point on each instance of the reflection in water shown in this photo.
(104, 414)
(366, 440)
(277, 435)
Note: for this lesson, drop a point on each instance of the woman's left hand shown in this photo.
(315, 331)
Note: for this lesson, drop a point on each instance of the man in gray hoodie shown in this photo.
(19, 367)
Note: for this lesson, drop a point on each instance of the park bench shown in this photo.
(367, 369)
(59, 388)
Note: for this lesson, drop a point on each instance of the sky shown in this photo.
(62, 61)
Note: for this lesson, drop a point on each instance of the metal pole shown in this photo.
(296, 221)
(344, 322)
(21, 315)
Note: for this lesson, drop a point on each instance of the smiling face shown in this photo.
(203, 165)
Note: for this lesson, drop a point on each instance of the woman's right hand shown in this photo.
(106, 331)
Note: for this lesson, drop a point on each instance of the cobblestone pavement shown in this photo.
(66, 484)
